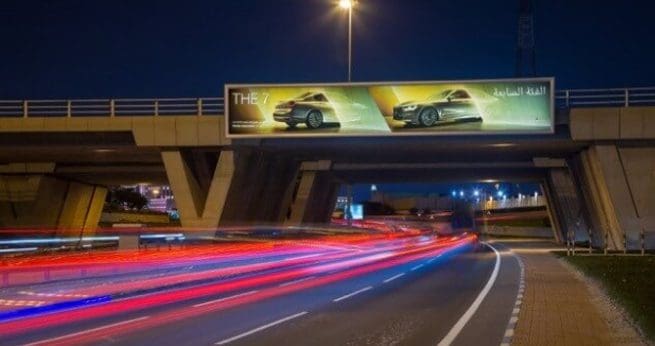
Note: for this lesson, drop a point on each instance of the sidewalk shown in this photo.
(557, 308)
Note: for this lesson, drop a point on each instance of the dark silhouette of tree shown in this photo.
(126, 198)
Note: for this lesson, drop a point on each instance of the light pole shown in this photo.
(348, 5)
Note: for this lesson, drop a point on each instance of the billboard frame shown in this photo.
(226, 98)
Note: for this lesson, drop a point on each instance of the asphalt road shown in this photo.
(412, 303)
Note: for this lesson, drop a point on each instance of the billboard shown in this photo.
(502, 106)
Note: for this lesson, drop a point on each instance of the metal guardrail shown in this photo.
(214, 106)
(209, 106)
(618, 97)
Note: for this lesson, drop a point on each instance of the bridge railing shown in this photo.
(213, 106)
(208, 106)
(618, 97)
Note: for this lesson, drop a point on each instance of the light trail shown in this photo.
(307, 266)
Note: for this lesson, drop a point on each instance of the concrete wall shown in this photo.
(612, 123)
(177, 131)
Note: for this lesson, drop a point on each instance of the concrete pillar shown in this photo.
(322, 199)
(315, 196)
(199, 206)
(262, 189)
(614, 181)
(247, 187)
(565, 204)
(302, 198)
(81, 209)
(38, 201)
(558, 231)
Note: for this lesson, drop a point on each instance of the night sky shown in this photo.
(102, 49)
(68, 49)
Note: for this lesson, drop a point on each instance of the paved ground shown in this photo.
(557, 308)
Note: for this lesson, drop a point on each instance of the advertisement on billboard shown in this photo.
(512, 106)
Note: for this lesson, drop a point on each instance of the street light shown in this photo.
(348, 5)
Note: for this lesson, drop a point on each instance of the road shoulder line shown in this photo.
(464, 319)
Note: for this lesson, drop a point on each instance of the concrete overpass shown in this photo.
(57, 157)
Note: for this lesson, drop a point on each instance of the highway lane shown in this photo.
(175, 273)
(416, 302)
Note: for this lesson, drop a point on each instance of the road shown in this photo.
(418, 290)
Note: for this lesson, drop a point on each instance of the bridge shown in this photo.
(58, 156)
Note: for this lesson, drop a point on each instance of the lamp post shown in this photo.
(348, 5)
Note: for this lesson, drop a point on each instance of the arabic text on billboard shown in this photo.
(425, 108)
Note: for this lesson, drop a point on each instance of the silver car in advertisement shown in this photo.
(311, 108)
(448, 105)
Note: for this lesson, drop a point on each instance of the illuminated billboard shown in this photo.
(507, 106)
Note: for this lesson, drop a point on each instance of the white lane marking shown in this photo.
(225, 298)
(352, 294)
(434, 258)
(417, 267)
(301, 257)
(86, 331)
(511, 325)
(296, 281)
(253, 331)
(457, 328)
(393, 278)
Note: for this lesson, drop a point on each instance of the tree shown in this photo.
(126, 198)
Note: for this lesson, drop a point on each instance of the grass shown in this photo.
(629, 280)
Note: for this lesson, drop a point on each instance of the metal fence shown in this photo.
(209, 106)
(626, 97)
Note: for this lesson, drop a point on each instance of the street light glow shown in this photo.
(346, 4)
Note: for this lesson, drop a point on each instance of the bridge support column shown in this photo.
(261, 190)
(41, 201)
(618, 186)
(200, 202)
(245, 188)
(316, 195)
(565, 206)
